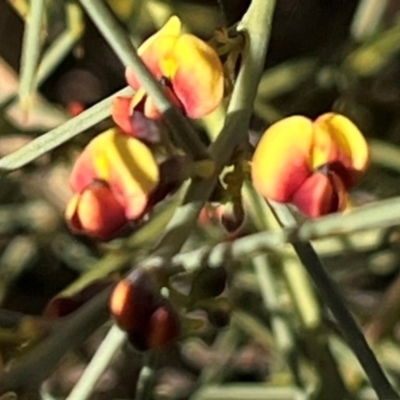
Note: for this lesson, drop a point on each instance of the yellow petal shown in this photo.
(172, 28)
(127, 165)
(196, 74)
(339, 143)
(155, 49)
(281, 161)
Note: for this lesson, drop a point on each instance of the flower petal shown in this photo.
(125, 163)
(196, 74)
(340, 144)
(150, 110)
(172, 28)
(281, 161)
(83, 172)
(320, 194)
(155, 48)
(132, 171)
(164, 326)
(134, 123)
(120, 112)
(96, 212)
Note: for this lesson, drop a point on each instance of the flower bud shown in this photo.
(133, 301)
(96, 212)
(208, 282)
(164, 326)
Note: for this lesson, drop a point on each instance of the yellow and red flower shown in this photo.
(112, 180)
(310, 164)
(187, 66)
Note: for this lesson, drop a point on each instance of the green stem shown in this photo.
(57, 50)
(257, 25)
(30, 51)
(98, 364)
(281, 329)
(59, 135)
(333, 299)
(63, 45)
(147, 377)
(384, 214)
(68, 334)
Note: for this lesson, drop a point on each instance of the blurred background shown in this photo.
(341, 55)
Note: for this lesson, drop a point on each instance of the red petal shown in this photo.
(197, 76)
(83, 172)
(320, 194)
(120, 112)
(96, 212)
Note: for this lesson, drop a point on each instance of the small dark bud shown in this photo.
(133, 301)
(208, 282)
(164, 327)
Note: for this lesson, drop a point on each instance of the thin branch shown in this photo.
(61, 46)
(59, 135)
(279, 325)
(367, 18)
(108, 25)
(256, 24)
(384, 214)
(334, 300)
(98, 364)
(147, 378)
(57, 50)
(30, 51)
(68, 334)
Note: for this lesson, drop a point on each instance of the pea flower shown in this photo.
(112, 181)
(310, 164)
(189, 69)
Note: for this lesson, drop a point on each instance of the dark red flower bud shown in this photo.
(133, 301)
(164, 326)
